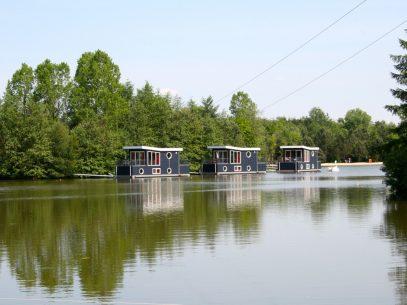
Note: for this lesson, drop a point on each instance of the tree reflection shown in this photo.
(395, 228)
(358, 200)
(224, 200)
(54, 232)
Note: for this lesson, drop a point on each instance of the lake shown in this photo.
(315, 238)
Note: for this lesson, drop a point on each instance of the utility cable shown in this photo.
(292, 52)
(336, 66)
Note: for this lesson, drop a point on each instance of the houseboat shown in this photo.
(233, 160)
(299, 159)
(146, 161)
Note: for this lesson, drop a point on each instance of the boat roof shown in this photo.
(151, 148)
(233, 147)
(299, 147)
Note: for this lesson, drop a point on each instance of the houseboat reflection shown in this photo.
(237, 191)
(152, 195)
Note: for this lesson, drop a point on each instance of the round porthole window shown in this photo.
(248, 168)
(225, 168)
(169, 170)
(141, 171)
(169, 155)
(248, 154)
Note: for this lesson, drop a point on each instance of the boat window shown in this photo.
(235, 157)
(220, 156)
(153, 158)
(306, 156)
(298, 155)
(138, 157)
(288, 155)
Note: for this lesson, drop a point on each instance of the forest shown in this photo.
(53, 125)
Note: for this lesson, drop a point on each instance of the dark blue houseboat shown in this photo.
(299, 159)
(233, 160)
(145, 161)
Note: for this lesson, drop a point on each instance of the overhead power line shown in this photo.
(292, 52)
(336, 66)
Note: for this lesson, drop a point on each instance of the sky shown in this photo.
(194, 49)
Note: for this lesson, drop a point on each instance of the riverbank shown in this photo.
(352, 164)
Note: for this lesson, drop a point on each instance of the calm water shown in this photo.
(326, 238)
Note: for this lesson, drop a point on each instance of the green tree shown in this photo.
(26, 149)
(319, 130)
(96, 113)
(150, 118)
(52, 87)
(19, 90)
(395, 151)
(97, 147)
(358, 127)
(209, 107)
(244, 112)
(188, 137)
(280, 132)
(63, 150)
(34, 142)
(213, 127)
(380, 133)
(97, 91)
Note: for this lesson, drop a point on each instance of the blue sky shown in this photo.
(201, 48)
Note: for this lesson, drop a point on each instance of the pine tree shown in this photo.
(395, 160)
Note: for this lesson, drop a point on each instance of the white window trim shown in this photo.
(148, 159)
(231, 155)
(217, 153)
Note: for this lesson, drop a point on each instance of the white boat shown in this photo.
(334, 168)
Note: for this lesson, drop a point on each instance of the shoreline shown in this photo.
(351, 164)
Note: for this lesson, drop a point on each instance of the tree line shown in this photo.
(53, 125)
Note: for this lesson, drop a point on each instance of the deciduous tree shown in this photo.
(52, 87)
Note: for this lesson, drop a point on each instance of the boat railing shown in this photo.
(290, 159)
(216, 161)
(262, 166)
(123, 163)
(130, 162)
(138, 163)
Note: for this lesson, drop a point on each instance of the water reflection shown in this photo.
(320, 193)
(155, 195)
(358, 201)
(226, 239)
(395, 228)
(236, 191)
(53, 233)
